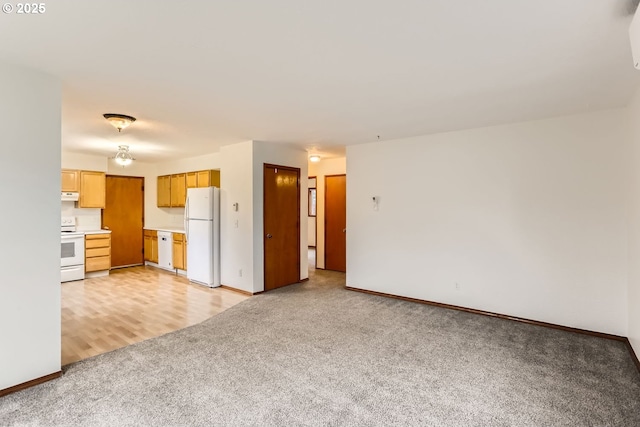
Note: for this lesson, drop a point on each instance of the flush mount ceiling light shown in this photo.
(314, 158)
(119, 121)
(123, 157)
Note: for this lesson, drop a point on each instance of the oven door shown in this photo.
(72, 250)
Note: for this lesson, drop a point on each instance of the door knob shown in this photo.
(269, 236)
(344, 230)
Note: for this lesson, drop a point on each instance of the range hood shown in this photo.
(70, 197)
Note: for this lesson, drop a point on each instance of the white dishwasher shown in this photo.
(165, 250)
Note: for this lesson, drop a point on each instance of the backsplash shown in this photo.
(86, 219)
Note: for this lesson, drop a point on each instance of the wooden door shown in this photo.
(123, 214)
(335, 222)
(281, 226)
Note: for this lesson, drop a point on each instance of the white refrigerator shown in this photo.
(202, 231)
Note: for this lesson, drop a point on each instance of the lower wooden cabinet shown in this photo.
(97, 252)
(179, 251)
(151, 245)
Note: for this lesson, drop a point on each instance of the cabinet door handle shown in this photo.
(269, 236)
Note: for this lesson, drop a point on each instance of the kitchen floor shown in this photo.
(131, 305)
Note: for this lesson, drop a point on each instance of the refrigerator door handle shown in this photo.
(186, 220)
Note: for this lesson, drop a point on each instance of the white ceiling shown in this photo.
(319, 73)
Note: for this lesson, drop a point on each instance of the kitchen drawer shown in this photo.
(97, 243)
(178, 237)
(151, 233)
(94, 252)
(97, 263)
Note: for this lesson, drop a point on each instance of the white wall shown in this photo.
(236, 250)
(281, 155)
(529, 219)
(311, 220)
(241, 181)
(634, 226)
(30, 263)
(321, 169)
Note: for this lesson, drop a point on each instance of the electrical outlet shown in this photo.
(240, 272)
(236, 223)
(457, 286)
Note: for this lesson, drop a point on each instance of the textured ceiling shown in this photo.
(320, 74)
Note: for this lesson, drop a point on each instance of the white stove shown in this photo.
(71, 251)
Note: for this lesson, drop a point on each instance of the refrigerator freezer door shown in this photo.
(200, 252)
(199, 203)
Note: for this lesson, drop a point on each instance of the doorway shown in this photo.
(124, 215)
(335, 222)
(281, 226)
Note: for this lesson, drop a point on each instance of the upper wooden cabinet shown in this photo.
(172, 189)
(70, 180)
(92, 189)
(164, 191)
(215, 179)
(178, 190)
(192, 179)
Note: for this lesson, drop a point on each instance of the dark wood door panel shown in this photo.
(335, 228)
(123, 214)
(281, 226)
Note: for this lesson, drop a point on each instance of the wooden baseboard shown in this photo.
(306, 279)
(240, 291)
(634, 356)
(31, 383)
(508, 317)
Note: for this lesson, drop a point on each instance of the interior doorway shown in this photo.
(281, 226)
(335, 222)
(124, 216)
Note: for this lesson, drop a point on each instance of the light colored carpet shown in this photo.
(316, 354)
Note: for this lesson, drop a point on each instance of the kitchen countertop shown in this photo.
(95, 231)
(170, 228)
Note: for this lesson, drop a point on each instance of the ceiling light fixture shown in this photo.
(119, 121)
(314, 158)
(123, 157)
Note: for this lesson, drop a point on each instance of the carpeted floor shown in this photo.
(316, 354)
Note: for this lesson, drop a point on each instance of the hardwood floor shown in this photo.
(131, 305)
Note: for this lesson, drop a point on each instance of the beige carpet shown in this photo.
(316, 354)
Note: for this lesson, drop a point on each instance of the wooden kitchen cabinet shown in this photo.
(172, 189)
(97, 252)
(215, 179)
(179, 251)
(178, 190)
(151, 245)
(208, 178)
(192, 179)
(70, 179)
(92, 189)
(164, 191)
